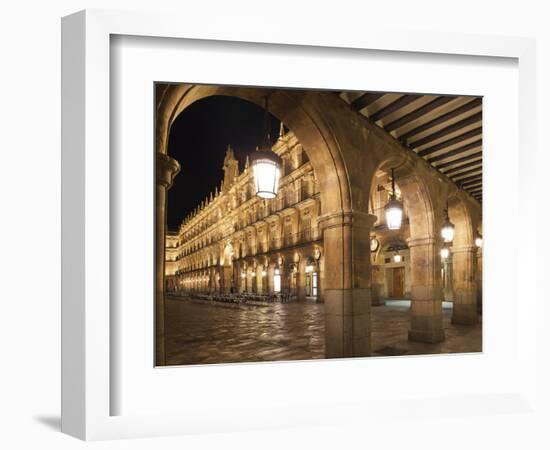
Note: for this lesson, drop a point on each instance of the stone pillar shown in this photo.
(464, 283)
(285, 278)
(377, 287)
(426, 310)
(301, 280)
(347, 283)
(211, 280)
(259, 279)
(227, 275)
(479, 280)
(448, 282)
(242, 280)
(166, 169)
(254, 280)
(321, 281)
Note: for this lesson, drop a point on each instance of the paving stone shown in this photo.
(208, 334)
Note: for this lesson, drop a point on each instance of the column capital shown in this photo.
(465, 249)
(427, 240)
(346, 218)
(167, 168)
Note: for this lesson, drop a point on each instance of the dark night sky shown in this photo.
(198, 141)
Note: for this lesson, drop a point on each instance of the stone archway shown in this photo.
(347, 320)
(425, 219)
(420, 194)
(226, 281)
(345, 151)
(464, 260)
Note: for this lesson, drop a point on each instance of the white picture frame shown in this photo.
(87, 383)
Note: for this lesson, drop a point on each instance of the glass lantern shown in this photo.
(393, 209)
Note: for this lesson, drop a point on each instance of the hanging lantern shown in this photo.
(266, 165)
(445, 252)
(479, 241)
(448, 228)
(393, 209)
(397, 257)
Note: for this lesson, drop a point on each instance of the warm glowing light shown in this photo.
(397, 258)
(264, 273)
(277, 281)
(394, 208)
(394, 214)
(243, 275)
(448, 228)
(253, 274)
(266, 165)
(444, 253)
(309, 269)
(448, 231)
(266, 169)
(479, 241)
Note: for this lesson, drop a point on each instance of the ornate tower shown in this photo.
(230, 168)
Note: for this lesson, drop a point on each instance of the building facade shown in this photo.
(237, 242)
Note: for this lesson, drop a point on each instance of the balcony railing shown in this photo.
(289, 240)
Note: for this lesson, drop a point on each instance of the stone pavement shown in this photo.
(200, 333)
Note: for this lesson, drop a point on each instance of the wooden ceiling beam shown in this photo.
(468, 179)
(441, 119)
(456, 151)
(458, 176)
(476, 163)
(401, 102)
(365, 100)
(417, 113)
(449, 142)
(474, 118)
(459, 160)
(470, 184)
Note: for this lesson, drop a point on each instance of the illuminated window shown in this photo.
(277, 281)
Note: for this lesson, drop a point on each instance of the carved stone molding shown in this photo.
(167, 169)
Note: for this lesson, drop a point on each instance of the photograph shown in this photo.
(303, 224)
(275, 226)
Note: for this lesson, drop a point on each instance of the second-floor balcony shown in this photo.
(292, 239)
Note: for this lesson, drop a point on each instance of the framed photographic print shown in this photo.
(264, 257)
(266, 232)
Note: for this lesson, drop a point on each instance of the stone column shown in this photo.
(211, 280)
(321, 281)
(479, 280)
(227, 274)
(301, 280)
(166, 169)
(285, 278)
(426, 319)
(347, 283)
(448, 273)
(377, 287)
(241, 286)
(254, 280)
(464, 284)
